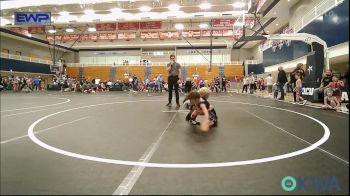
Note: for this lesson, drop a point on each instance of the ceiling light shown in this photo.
(52, 31)
(64, 13)
(13, 16)
(203, 25)
(116, 10)
(277, 24)
(91, 29)
(205, 6)
(145, 9)
(69, 30)
(238, 4)
(179, 26)
(174, 7)
(89, 11)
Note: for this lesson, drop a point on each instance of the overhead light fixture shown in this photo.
(64, 13)
(205, 6)
(238, 4)
(174, 7)
(69, 30)
(277, 24)
(52, 31)
(203, 25)
(145, 9)
(179, 26)
(12, 16)
(89, 11)
(91, 29)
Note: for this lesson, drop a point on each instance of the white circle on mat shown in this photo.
(175, 165)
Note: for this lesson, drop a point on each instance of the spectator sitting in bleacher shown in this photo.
(324, 85)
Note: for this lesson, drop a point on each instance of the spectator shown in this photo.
(160, 82)
(269, 83)
(330, 102)
(251, 80)
(275, 90)
(298, 70)
(245, 85)
(223, 84)
(298, 89)
(188, 85)
(336, 85)
(281, 81)
(324, 85)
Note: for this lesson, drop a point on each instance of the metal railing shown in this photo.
(25, 58)
(155, 64)
(45, 61)
(316, 12)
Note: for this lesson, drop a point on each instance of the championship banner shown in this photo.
(84, 37)
(227, 32)
(19, 30)
(112, 36)
(106, 27)
(107, 36)
(126, 35)
(36, 30)
(223, 22)
(93, 36)
(249, 20)
(149, 35)
(169, 34)
(128, 26)
(151, 25)
(216, 33)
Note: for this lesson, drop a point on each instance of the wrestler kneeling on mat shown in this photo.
(199, 105)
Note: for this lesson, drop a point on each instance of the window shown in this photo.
(5, 53)
(18, 55)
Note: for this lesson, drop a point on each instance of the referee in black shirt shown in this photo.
(174, 70)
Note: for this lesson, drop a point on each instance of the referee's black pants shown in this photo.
(172, 84)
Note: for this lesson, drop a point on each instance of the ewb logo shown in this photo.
(307, 183)
(33, 18)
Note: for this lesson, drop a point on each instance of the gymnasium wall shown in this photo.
(104, 72)
(31, 49)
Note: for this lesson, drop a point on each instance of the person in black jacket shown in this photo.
(281, 80)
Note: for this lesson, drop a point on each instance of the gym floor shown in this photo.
(122, 143)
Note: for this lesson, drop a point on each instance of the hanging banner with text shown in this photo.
(223, 22)
(36, 30)
(128, 26)
(151, 25)
(106, 27)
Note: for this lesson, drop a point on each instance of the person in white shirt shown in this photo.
(269, 83)
(251, 83)
(245, 85)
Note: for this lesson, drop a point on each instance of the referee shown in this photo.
(174, 70)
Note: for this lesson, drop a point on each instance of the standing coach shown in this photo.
(174, 70)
